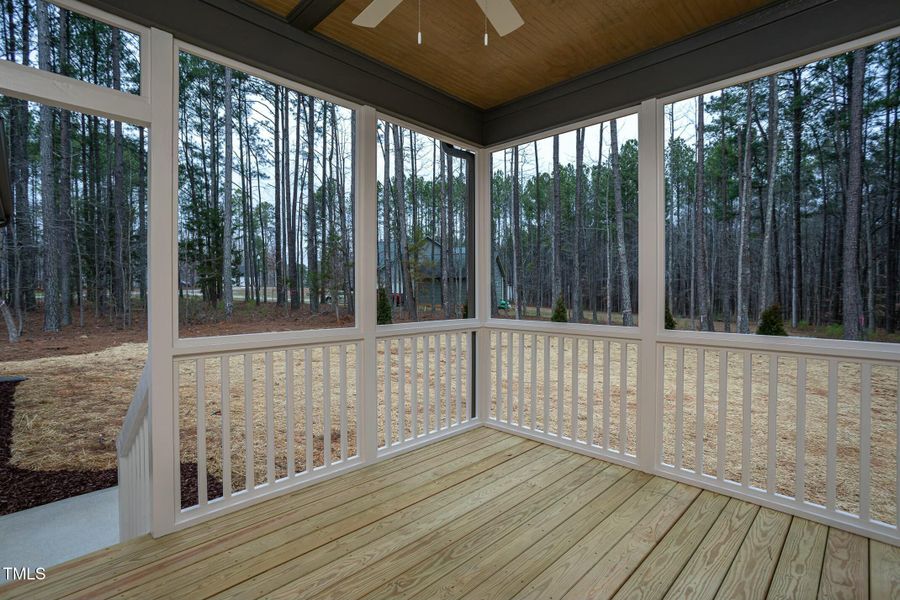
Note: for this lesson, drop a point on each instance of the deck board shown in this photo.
(488, 515)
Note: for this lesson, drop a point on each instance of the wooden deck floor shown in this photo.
(493, 516)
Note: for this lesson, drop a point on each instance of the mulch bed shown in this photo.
(23, 488)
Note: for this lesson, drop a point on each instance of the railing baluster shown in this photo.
(533, 369)
(723, 413)
(800, 459)
(771, 482)
(308, 400)
(623, 397)
(388, 398)
(447, 374)
(606, 394)
(342, 372)
(546, 427)
(270, 420)
(498, 370)
(679, 408)
(437, 383)
(326, 404)
(574, 433)
(359, 434)
(414, 391)
(426, 384)
(401, 390)
(249, 462)
(289, 411)
(831, 452)
(865, 442)
(509, 376)
(459, 379)
(590, 393)
(521, 378)
(560, 384)
(700, 432)
(897, 459)
(469, 366)
(224, 381)
(200, 368)
(746, 416)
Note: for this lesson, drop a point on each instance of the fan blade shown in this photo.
(375, 12)
(502, 15)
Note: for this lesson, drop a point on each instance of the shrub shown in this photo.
(385, 314)
(559, 312)
(670, 320)
(770, 322)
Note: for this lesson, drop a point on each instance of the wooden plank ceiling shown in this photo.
(561, 39)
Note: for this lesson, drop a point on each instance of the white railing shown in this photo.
(254, 422)
(566, 386)
(425, 384)
(133, 450)
(812, 433)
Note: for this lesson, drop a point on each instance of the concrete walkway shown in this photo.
(54, 533)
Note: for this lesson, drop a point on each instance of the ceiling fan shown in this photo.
(501, 13)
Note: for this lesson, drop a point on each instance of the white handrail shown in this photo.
(133, 453)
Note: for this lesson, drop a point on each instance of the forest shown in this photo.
(783, 192)
(565, 226)
(269, 171)
(77, 243)
(423, 228)
(780, 194)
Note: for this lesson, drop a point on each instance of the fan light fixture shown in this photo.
(501, 13)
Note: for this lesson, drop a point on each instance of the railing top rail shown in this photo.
(137, 411)
(567, 329)
(806, 347)
(426, 327)
(267, 342)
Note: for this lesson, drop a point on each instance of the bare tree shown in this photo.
(743, 290)
(627, 318)
(852, 300)
(577, 310)
(516, 234)
(706, 323)
(226, 235)
(409, 295)
(557, 225)
(766, 288)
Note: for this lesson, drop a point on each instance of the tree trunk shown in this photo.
(65, 181)
(409, 295)
(796, 246)
(627, 318)
(743, 275)
(577, 309)
(852, 300)
(703, 296)
(226, 212)
(557, 226)
(516, 234)
(767, 293)
(538, 211)
(312, 259)
(48, 185)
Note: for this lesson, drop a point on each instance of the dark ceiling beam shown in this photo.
(309, 13)
(263, 40)
(765, 37)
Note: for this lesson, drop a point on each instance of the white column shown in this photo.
(482, 279)
(651, 231)
(366, 229)
(162, 320)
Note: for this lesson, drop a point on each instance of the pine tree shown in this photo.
(385, 316)
(559, 311)
(770, 322)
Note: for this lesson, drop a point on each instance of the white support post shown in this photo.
(366, 228)
(651, 230)
(482, 281)
(162, 324)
